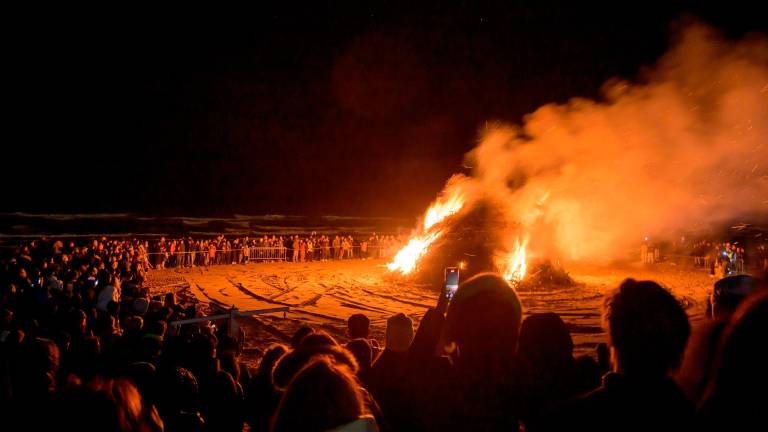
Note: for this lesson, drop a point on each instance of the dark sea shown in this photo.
(19, 226)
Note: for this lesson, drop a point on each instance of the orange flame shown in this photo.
(516, 262)
(441, 210)
(406, 259)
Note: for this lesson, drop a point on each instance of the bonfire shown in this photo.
(455, 234)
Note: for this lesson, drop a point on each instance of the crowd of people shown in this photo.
(720, 258)
(190, 252)
(725, 258)
(84, 346)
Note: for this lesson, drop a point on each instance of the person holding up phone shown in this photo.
(479, 387)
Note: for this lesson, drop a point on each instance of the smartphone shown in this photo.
(451, 281)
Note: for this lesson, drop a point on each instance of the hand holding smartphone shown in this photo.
(451, 282)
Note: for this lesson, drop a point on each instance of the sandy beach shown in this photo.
(325, 294)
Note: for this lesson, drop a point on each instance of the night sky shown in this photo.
(360, 108)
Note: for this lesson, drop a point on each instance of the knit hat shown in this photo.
(399, 333)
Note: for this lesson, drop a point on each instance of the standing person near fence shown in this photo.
(180, 254)
(374, 245)
(337, 247)
(171, 254)
(202, 252)
(211, 254)
(160, 253)
(295, 246)
(346, 247)
(311, 249)
(712, 259)
(326, 248)
(192, 252)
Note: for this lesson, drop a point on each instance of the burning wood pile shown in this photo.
(545, 275)
(455, 234)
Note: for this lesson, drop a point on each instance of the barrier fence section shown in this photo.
(232, 314)
(266, 253)
(233, 328)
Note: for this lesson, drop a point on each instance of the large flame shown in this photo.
(406, 259)
(515, 262)
(441, 210)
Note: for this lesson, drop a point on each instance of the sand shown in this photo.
(325, 294)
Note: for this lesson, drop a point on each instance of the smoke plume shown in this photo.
(684, 146)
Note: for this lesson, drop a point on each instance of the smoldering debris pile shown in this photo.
(544, 275)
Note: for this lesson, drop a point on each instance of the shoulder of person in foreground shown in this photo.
(363, 424)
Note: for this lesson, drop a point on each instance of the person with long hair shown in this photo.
(323, 396)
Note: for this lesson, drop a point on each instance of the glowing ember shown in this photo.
(407, 258)
(515, 262)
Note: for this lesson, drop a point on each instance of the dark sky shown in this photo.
(360, 108)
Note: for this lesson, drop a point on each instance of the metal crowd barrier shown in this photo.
(261, 253)
(231, 316)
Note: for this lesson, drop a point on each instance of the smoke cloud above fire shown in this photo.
(682, 147)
